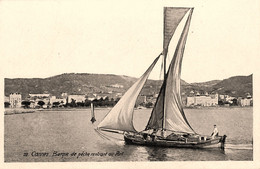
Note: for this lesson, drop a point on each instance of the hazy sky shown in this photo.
(47, 38)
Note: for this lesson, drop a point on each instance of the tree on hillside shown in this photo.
(73, 103)
(41, 103)
(55, 104)
(149, 105)
(26, 104)
(87, 103)
(7, 104)
(117, 99)
(80, 104)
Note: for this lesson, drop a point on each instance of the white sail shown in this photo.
(121, 116)
(168, 112)
(172, 18)
(174, 117)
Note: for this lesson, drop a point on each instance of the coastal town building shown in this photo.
(6, 99)
(15, 100)
(202, 100)
(119, 95)
(248, 101)
(77, 98)
(90, 97)
(192, 98)
(62, 101)
(33, 104)
(245, 102)
(116, 86)
(64, 95)
(39, 96)
(221, 97)
(36, 98)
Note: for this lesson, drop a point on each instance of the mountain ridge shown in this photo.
(83, 83)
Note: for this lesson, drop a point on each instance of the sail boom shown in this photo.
(112, 131)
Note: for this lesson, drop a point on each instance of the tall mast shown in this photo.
(165, 52)
(164, 75)
(159, 116)
(164, 85)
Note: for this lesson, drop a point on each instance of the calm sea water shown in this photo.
(68, 135)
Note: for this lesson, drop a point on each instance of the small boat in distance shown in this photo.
(168, 125)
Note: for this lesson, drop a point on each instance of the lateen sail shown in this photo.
(121, 116)
(172, 18)
(156, 118)
(174, 115)
(168, 112)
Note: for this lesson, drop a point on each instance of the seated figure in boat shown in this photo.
(215, 131)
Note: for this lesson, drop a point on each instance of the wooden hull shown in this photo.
(212, 143)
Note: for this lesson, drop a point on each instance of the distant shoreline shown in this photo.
(10, 111)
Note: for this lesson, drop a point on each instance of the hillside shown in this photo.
(235, 86)
(83, 83)
(69, 83)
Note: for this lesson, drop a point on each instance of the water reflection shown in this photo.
(184, 154)
(156, 153)
(144, 153)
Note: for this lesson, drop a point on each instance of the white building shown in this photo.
(117, 86)
(35, 98)
(62, 101)
(39, 95)
(91, 97)
(64, 95)
(210, 100)
(15, 100)
(245, 101)
(7, 99)
(77, 98)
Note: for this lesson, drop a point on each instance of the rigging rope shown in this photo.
(100, 134)
(161, 71)
(106, 136)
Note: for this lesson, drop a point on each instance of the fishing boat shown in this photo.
(167, 125)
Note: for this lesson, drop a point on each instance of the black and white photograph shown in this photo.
(167, 82)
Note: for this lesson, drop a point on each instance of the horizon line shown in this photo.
(118, 75)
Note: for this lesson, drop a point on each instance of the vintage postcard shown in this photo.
(147, 84)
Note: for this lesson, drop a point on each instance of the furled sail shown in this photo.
(168, 112)
(121, 116)
(172, 18)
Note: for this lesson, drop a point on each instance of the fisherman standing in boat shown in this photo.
(163, 133)
(153, 135)
(215, 131)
